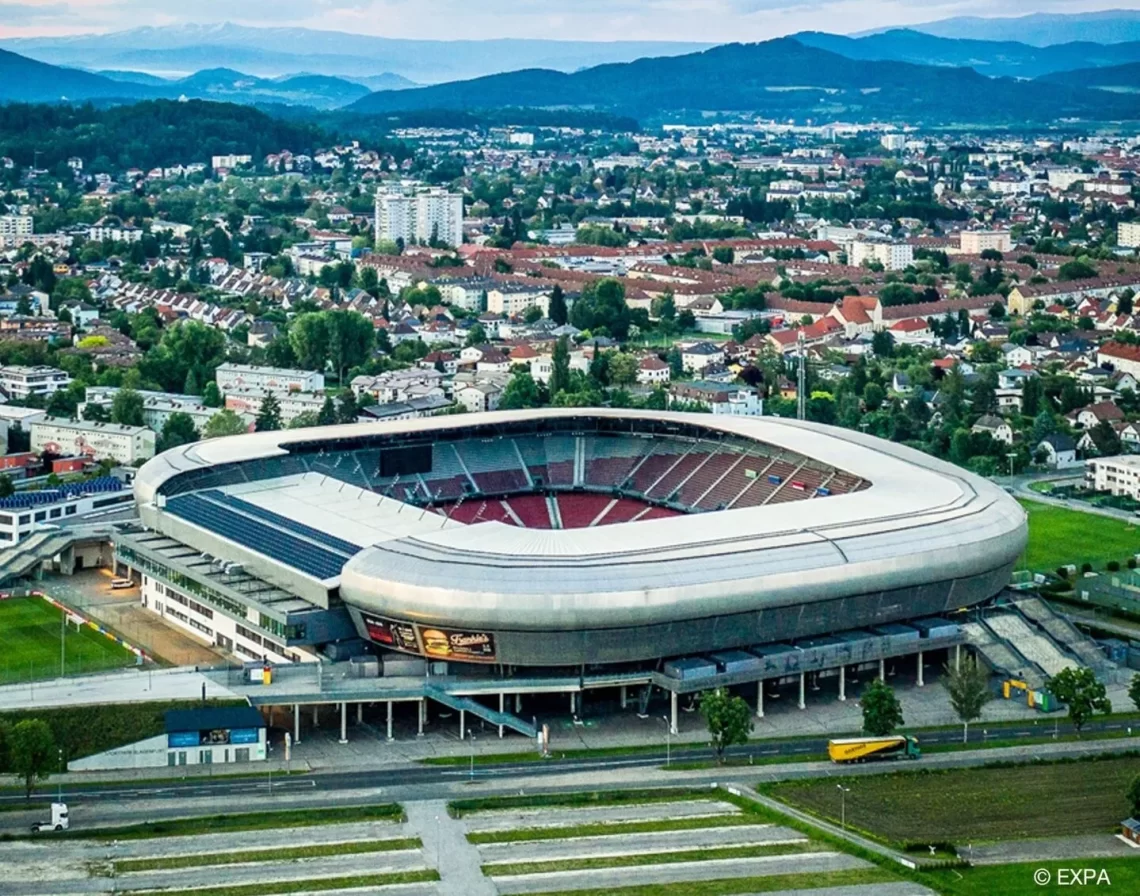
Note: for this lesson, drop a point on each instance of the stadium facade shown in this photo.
(567, 539)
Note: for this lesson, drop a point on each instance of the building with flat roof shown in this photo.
(124, 444)
(247, 376)
(1119, 475)
(23, 382)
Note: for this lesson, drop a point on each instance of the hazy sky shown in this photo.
(701, 20)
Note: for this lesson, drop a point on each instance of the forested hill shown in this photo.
(778, 78)
(147, 134)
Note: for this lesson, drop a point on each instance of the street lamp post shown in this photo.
(471, 737)
(668, 740)
(59, 781)
(843, 791)
(1011, 455)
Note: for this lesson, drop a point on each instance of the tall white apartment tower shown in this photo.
(421, 217)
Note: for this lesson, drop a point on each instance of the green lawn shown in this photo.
(1123, 876)
(31, 628)
(1058, 536)
(977, 804)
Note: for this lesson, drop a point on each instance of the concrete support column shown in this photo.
(573, 703)
(518, 703)
(957, 657)
(271, 717)
(420, 717)
(296, 723)
(803, 682)
(623, 696)
(760, 699)
(673, 712)
(462, 724)
(502, 708)
(389, 720)
(920, 681)
(344, 722)
(842, 683)
(882, 670)
(360, 713)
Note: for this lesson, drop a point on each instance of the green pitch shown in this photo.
(1058, 536)
(30, 634)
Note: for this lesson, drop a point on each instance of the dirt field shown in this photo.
(90, 592)
(960, 805)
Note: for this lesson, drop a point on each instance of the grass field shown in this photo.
(1058, 536)
(1123, 876)
(977, 804)
(31, 628)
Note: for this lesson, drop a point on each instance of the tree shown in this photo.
(350, 338)
(31, 752)
(309, 339)
(269, 415)
(729, 720)
(178, 430)
(969, 687)
(602, 305)
(348, 407)
(623, 368)
(883, 344)
(1077, 269)
(7, 489)
(521, 392)
(326, 416)
(1133, 795)
(1081, 692)
(1134, 690)
(476, 335)
(882, 713)
(558, 311)
(560, 374)
(127, 408)
(212, 395)
(223, 423)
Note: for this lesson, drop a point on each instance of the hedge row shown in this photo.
(86, 730)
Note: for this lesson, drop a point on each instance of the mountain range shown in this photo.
(28, 80)
(267, 52)
(1107, 26)
(989, 57)
(778, 78)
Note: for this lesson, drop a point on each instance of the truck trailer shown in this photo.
(868, 749)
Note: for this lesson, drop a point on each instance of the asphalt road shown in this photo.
(425, 775)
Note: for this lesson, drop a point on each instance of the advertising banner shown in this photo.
(429, 641)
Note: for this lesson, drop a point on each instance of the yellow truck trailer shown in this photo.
(868, 749)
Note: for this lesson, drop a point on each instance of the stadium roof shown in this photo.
(920, 521)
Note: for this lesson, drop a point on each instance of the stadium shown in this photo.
(562, 540)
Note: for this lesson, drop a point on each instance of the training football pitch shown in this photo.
(30, 633)
(1058, 536)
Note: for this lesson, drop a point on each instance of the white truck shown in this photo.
(58, 820)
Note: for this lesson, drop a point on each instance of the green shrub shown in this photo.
(86, 730)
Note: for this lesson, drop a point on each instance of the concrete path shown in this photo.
(446, 848)
(1047, 849)
(129, 686)
(657, 842)
(553, 817)
(227, 875)
(677, 872)
(898, 888)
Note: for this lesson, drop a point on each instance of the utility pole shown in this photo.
(62, 641)
(801, 381)
(843, 791)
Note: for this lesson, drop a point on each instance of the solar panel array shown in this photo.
(337, 544)
(99, 485)
(263, 537)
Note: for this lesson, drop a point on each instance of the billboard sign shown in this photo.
(432, 642)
